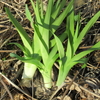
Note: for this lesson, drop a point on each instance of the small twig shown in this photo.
(32, 88)
(8, 60)
(85, 47)
(8, 50)
(6, 89)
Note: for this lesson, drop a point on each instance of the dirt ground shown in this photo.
(80, 84)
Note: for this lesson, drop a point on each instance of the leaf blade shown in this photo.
(25, 38)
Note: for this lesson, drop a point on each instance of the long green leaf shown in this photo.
(24, 36)
(37, 14)
(41, 6)
(57, 8)
(28, 14)
(48, 12)
(69, 51)
(19, 45)
(52, 57)
(42, 44)
(59, 46)
(46, 24)
(26, 53)
(62, 37)
(84, 53)
(31, 61)
(71, 22)
(61, 17)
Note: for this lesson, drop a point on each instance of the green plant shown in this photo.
(41, 52)
(69, 58)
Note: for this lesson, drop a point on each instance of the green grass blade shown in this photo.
(61, 17)
(52, 56)
(57, 4)
(39, 21)
(41, 6)
(43, 47)
(26, 53)
(36, 10)
(19, 46)
(62, 75)
(59, 46)
(76, 32)
(52, 52)
(24, 36)
(31, 61)
(48, 12)
(71, 25)
(57, 8)
(84, 53)
(82, 60)
(35, 43)
(62, 37)
(69, 52)
(51, 61)
(28, 14)
(79, 56)
(46, 23)
(70, 32)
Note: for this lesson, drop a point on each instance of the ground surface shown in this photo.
(81, 84)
